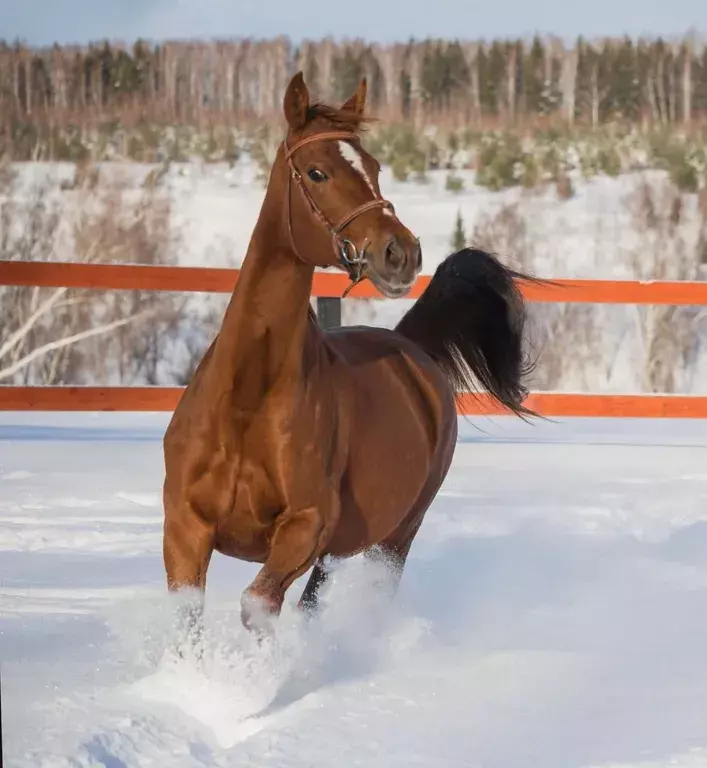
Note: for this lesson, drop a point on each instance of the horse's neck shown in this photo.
(261, 342)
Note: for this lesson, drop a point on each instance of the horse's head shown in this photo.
(334, 210)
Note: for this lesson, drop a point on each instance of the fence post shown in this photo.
(329, 311)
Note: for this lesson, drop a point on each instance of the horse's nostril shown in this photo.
(395, 255)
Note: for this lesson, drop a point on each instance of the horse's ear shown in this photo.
(296, 102)
(357, 103)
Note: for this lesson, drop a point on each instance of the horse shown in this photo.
(292, 445)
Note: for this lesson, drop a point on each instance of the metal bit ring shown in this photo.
(350, 247)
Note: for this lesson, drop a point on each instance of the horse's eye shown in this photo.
(316, 175)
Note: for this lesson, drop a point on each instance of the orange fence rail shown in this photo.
(129, 277)
(550, 404)
(330, 287)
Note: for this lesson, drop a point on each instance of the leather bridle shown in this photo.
(350, 257)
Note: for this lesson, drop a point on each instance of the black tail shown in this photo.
(471, 320)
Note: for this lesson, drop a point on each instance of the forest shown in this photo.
(52, 98)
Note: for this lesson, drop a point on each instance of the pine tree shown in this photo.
(347, 71)
(533, 77)
(459, 235)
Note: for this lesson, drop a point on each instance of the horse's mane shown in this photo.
(341, 118)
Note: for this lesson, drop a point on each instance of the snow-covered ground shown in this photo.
(553, 613)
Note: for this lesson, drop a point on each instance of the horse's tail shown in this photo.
(470, 321)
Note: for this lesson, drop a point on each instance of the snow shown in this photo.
(552, 613)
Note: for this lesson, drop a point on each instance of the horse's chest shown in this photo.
(255, 494)
(246, 526)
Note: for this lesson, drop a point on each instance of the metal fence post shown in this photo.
(329, 311)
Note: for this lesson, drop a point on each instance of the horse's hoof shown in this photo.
(258, 614)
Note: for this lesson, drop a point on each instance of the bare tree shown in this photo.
(47, 335)
(668, 336)
(568, 83)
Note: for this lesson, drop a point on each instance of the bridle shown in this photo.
(350, 257)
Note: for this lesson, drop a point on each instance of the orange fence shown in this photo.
(330, 287)
(128, 277)
(166, 398)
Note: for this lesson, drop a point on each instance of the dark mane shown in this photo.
(341, 118)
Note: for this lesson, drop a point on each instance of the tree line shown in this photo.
(496, 83)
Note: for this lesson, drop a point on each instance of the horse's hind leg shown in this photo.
(187, 547)
(309, 601)
(394, 550)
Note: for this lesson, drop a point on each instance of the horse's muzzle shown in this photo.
(394, 268)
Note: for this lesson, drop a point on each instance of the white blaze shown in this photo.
(353, 157)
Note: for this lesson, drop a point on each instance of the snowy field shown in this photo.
(553, 613)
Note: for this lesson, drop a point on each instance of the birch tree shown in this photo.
(48, 335)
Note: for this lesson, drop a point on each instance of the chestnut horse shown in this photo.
(292, 443)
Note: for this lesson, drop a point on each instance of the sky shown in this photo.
(42, 22)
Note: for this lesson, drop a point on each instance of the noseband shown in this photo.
(350, 257)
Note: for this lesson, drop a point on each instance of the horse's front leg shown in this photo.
(188, 542)
(300, 538)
